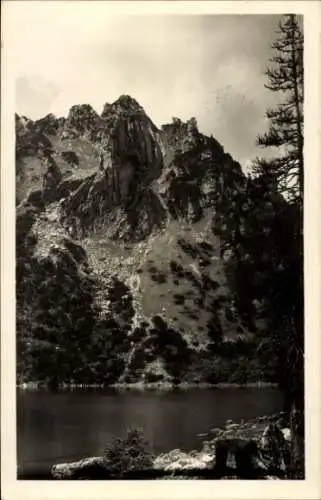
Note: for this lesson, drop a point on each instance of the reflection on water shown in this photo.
(70, 425)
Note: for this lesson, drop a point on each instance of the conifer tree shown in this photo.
(285, 133)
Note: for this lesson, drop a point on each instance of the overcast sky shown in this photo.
(210, 67)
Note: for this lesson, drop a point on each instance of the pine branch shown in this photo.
(281, 116)
(286, 75)
(277, 86)
(277, 137)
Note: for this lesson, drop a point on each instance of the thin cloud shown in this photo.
(210, 67)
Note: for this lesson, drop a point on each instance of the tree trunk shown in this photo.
(298, 448)
(297, 109)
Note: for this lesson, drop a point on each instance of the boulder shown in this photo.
(87, 468)
(179, 460)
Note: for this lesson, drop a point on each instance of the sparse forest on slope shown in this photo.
(135, 250)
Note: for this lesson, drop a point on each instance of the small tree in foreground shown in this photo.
(131, 453)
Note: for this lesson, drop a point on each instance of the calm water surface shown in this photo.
(71, 425)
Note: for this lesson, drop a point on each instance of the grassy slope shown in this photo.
(148, 269)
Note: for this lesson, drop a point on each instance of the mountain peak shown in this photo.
(81, 110)
(82, 118)
(125, 105)
(128, 102)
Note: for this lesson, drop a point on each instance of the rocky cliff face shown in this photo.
(146, 209)
(130, 159)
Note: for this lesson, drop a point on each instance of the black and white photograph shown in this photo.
(159, 244)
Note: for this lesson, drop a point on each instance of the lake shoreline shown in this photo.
(175, 464)
(141, 386)
(99, 416)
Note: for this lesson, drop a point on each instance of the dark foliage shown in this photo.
(170, 345)
(70, 157)
(286, 77)
(129, 454)
(159, 277)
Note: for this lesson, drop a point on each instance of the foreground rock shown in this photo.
(90, 466)
(180, 460)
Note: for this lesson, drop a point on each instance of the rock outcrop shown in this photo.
(81, 120)
(48, 125)
(76, 470)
